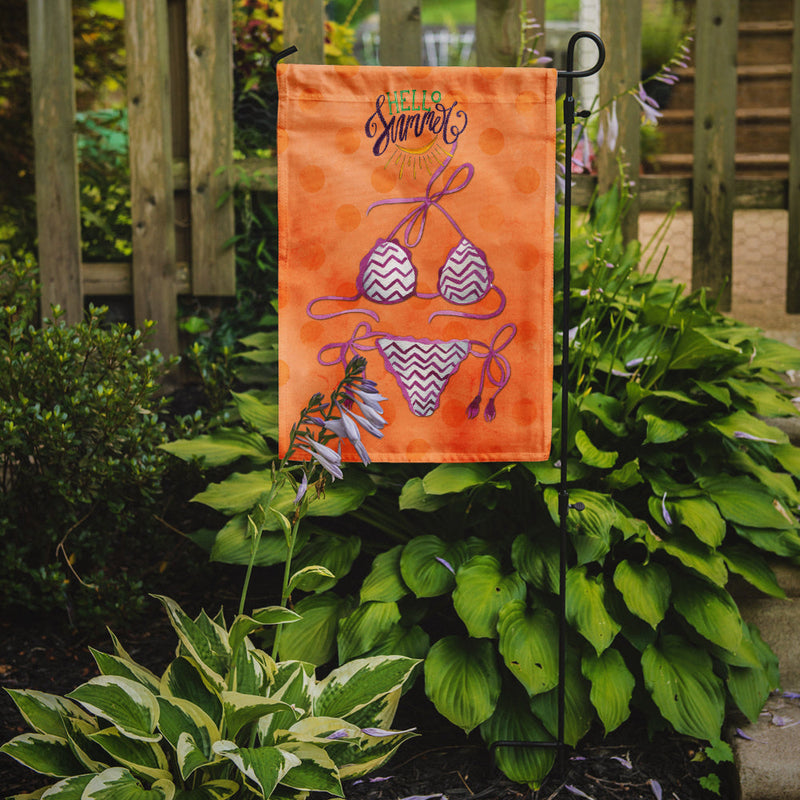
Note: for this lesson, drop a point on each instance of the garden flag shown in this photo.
(416, 214)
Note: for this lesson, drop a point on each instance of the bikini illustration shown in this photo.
(387, 275)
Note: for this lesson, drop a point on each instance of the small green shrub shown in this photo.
(80, 468)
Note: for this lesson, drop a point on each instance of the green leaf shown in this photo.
(663, 431)
(590, 528)
(316, 772)
(529, 645)
(766, 401)
(261, 416)
(44, 712)
(182, 679)
(399, 640)
(313, 638)
(774, 355)
(126, 704)
(449, 478)
(701, 517)
(234, 544)
(264, 766)
(537, 561)
(749, 687)
(695, 350)
(612, 687)
(481, 591)
(593, 457)
(586, 608)
(212, 790)
(512, 721)
(742, 422)
(683, 685)
(462, 680)
(746, 561)
(178, 717)
(237, 493)
(385, 581)
(421, 565)
(223, 446)
(68, 789)
(549, 474)
(145, 759)
(788, 456)
(365, 627)
(717, 392)
(241, 709)
(646, 589)
(782, 543)
(334, 553)
(308, 578)
(125, 668)
(691, 553)
(745, 502)
(244, 625)
(44, 753)
(625, 477)
(413, 496)
(117, 783)
(709, 609)
(608, 410)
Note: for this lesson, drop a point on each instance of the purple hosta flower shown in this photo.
(380, 732)
(368, 426)
(342, 733)
(328, 459)
(649, 106)
(577, 792)
(742, 735)
(345, 428)
(490, 412)
(376, 779)
(582, 155)
(474, 407)
(655, 787)
(751, 437)
(301, 489)
(425, 797)
(445, 563)
(664, 512)
(608, 131)
(791, 695)
(624, 761)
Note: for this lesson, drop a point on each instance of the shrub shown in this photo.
(79, 430)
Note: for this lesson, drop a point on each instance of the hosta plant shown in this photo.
(224, 720)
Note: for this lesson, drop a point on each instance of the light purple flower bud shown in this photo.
(655, 786)
(742, 735)
(301, 489)
(751, 437)
(624, 761)
(445, 563)
(342, 733)
(664, 512)
(577, 792)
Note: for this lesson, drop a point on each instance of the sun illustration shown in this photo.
(428, 156)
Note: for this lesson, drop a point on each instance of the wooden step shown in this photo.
(765, 42)
(767, 165)
(754, 10)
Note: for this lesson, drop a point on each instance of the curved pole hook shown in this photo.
(570, 72)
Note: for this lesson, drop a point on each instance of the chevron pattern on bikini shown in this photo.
(465, 277)
(422, 368)
(387, 274)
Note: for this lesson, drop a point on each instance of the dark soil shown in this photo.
(44, 654)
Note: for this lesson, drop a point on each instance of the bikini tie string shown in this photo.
(346, 350)
(494, 362)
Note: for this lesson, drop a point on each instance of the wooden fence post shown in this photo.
(621, 28)
(304, 27)
(714, 189)
(56, 161)
(401, 33)
(210, 54)
(152, 201)
(498, 30)
(793, 266)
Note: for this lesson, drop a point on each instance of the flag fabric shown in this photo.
(416, 213)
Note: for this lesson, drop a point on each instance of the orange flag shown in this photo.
(416, 214)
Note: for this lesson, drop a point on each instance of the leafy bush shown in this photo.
(222, 717)
(79, 430)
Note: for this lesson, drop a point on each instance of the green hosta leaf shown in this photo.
(242, 709)
(683, 685)
(234, 545)
(316, 772)
(212, 790)
(357, 684)
(608, 410)
(44, 753)
(625, 477)
(118, 784)
(646, 589)
(548, 474)
(767, 401)
(45, 712)
(313, 638)
(261, 416)
(334, 553)
(612, 687)
(695, 349)
(125, 668)
(127, 705)
(663, 431)
(701, 517)
(745, 502)
(462, 680)
(780, 484)
(145, 759)
(578, 710)
(529, 645)
(693, 554)
(782, 543)
(740, 422)
(512, 721)
(223, 446)
(481, 591)
(68, 789)
(597, 517)
(590, 455)
(709, 610)
(413, 496)
(365, 627)
(717, 392)
(399, 640)
(182, 679)
(788, 455)
(749, 688)
(753, 567)
(422, 567)
(207, 644)
(774, 355)
(385, 582)
(243, 625)
(264, 766)
(537, 561)
(448, 478)
(586, 608)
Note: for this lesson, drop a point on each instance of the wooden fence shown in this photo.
(181, 134)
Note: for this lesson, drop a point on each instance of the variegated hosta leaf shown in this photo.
(117, 783)
(586, 608)
(126, 704)
(371, 754)
(179, 717)
(204, 641)
(244, 625)
(294, 685)
(78, 733)
(710, 610)
(365, 627)
(612, 686)
(316, 771)
(145, 759)
(462, 680)
(68, 789)
(428, 564)
(513, 721)
(358, 683)
(481, 591)
(125, 668)
(212, 790)
(646, 589)
(45, 712)
(313, 638)
(529, 645)
(683, 685)
(252, 670)
(44, 753)
(262, 766)
(183, 679)
(385, 581)
(242, 709)
(190, 755)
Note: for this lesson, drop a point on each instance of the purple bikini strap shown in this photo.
(492, 358)
(352, 347)
(333, 314)
(468, 315)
